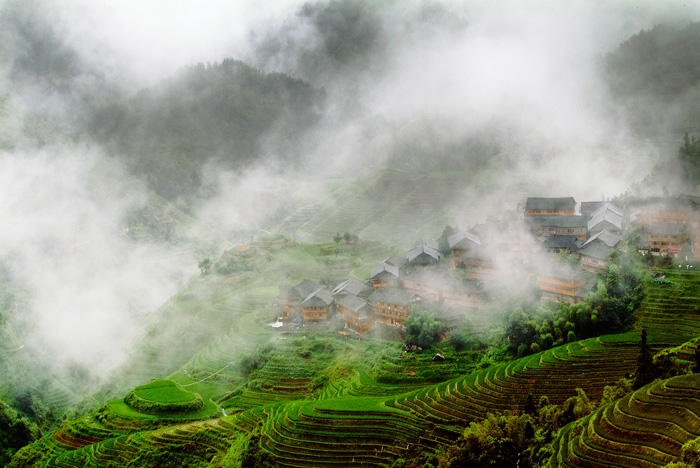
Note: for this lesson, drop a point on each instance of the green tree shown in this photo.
(205, 266)
(422, 329)
(337, 238)
(689, 155)
(645, 365)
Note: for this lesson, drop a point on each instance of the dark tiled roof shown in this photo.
(396, 296)
(564, 271)
(384, 268)
(604, 236)
(396, 261)
(354, 303)
(301, 290)
(558, 221)
(567, 203)
(463, 239)
(601, 217)
(350, 286)
(570, 243)
(596, 250)
(422, 249)
(321, 297)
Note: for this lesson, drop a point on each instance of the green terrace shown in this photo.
(672, 305)
(646, 428)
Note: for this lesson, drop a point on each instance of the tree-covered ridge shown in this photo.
(228, 112)
(655, 76)
(661, 61)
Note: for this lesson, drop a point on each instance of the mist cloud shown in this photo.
(91, 288)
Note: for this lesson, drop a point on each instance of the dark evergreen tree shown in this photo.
(645, 365)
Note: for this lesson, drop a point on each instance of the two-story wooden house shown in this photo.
(564, 283)
(422, 256)
(388, 273)
(317, 306)
(356, 312)
(557, 225)
(290, 299)
(440, 287)
(594, 252)
(391, 306)
(461, 243)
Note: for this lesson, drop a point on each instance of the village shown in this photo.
(559, 243)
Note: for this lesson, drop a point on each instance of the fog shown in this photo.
(401, 79)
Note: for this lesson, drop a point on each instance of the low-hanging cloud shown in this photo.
(91, 288)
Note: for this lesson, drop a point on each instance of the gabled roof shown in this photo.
(567, 203)
(607, 206)
(354, 303)
(395, 260)
(321, 297)
(349, 286)
(564, 271)
(301, 290)
(604, 236)
(596, 250)
(384, 268)
(400, 297)
(420, 250)
(558, 221)
(600, 217)
(463, 239)
(570, 243)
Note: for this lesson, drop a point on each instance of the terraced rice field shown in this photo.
(672, 306)
(361, 426)
(646, 428)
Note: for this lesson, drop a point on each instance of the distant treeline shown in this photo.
(656, 74)
(228, 112)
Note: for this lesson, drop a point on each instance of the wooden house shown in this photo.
(594, 252)
(391, 306)
(563, 283)
(290, 299)
(422, 256)
(479, 266)
(461, 243)
(316, 307)
(661, 211)
(556, 244)
(664, 238)
(440, 287)
(558, 225)
(550, 206)
(356, 312)
(385, 275)
(388, 273)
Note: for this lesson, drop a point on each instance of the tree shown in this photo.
(422, 329)
(443, 245)
(205, 266)
(689, 155)
(645, 365)
(337, 238)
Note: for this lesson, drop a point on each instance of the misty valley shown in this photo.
(349, 233)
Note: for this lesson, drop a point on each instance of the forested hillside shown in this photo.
(228, 114)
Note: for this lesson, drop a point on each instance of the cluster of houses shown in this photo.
(483, 258)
